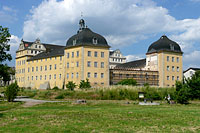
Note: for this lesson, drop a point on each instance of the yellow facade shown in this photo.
(95, 66)
(170, 68)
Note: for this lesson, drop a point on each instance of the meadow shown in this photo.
(99, 116)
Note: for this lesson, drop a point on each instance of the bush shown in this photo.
(71, 85)
(193, 85)
(84, 84)
(182, 93)
(11, 92)
(55, 88)
(127, 82)
(61, 96)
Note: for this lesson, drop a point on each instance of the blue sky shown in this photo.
(130, 25)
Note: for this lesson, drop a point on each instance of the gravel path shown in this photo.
(31, 102)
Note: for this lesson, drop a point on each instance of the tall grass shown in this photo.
(109, 93)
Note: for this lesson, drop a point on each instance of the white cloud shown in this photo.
(191, 59)
(122, 23)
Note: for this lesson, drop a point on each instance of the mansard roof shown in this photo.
(133, 64)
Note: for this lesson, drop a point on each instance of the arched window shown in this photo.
(94, 40)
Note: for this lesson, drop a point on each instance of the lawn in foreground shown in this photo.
(102, 116)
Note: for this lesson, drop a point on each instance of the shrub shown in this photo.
(71, 85)
(61, 96)
(11, 92)
(84, 84)
(193, 85)
(55, 88)
(127, 82)
(182, 93)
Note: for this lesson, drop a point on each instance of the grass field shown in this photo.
(100, 116)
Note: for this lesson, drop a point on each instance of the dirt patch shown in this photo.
(31, 103)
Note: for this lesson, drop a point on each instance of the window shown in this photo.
(54, 76)
(45, 68)
(120, 75)
(35, 52)
(72, 75)
(32, 69)
(177, 59)
(59, 76)
(31, 51)
(40, 68)
(88, 63)
(102, 64)
(45, 77)
(74, 42)
(41, 60)
(167, 68)
(88, 74)
(77, 75)
(95, 64)
(177, 77)
(89, 53)
(177, 69)
(167, 77)
(55, 58)
(102, 75)
(35, 77)
(102, 54)
(39, 46)
(60, 58)
(49, 67)
(72, 54)
(172, 77)
(28, 78)
(32, 77)
(95, 54)
(173, 68)
(36, 69)
(45, 59)
(67, 75)
(28, 69)
(67, 64)
(172, 59)
(49, 77)
(67, 55)
(95, 75)
(35, 46)
(77, 64)
(77, 53)
(94, 40)
(55, 66)
(167, 58)
(40, 77)
(50, 58)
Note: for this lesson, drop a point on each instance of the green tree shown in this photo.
(182, 93)
(84, 84)
(194, 85)
(4, 48)
(127, 82)
(11, 92)
(71, 85)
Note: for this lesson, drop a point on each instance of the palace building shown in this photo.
(162, 66)
(86, 55)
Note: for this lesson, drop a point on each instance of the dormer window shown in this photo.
(94, 40)
(39, 46)
(74, 42)
(171, 46)
(35, 46)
